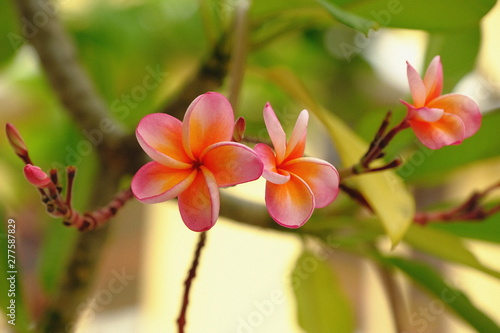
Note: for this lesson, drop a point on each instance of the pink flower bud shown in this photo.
(239, 129)
(15, 140)
(36, 176)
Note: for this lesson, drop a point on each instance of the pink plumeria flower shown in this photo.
(192, 159)
(439, 120)
(295, 184)
(36, 176)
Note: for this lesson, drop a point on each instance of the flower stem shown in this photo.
(181, 321)
(375, 150)
(396, 302)
(239, 52)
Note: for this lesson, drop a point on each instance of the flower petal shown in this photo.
(270, 173)
(232, 163)
(321, 177)
(463, 107)
(208, 120)
(433, 80)
(297, 143)
(155, 182)
(276, 132)
(449, 130)
(290, 204)
(199, 204)
(417, 87)
(429, 115)
(160, 136)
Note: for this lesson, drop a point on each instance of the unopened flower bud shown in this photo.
(36, 176)
(239, 129)
(15, 140)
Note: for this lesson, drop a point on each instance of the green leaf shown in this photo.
(445, 245)
(453, 298)
(487, 230)
(56, 248)
(384, 191)
(458, 51)
(11, 37)
(349, 19)
(322, 305)
(427, 15)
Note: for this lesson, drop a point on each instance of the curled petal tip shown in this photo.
(16, 140)
(36, 176)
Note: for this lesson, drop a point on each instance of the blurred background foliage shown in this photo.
(326, 44)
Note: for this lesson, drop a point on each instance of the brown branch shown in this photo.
(209, 77)
(181, 321)
(470, 210)
(58, 57)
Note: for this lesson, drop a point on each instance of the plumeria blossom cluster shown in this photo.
(192, 159)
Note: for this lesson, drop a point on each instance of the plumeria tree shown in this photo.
(120, 106)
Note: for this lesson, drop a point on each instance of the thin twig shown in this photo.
(470, 210)
(181, 321)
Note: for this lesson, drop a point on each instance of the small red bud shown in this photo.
(36, 176)
(15, 140)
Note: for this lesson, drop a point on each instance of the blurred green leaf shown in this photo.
(349, 19)
(17, 313)
(453, 298)
(458, 51)
(434, 164)
(57, 245)
(446, 246)
(487, 230)
(385, 191)
(9, 28)
(425, 14)
(322, 305)
(263, 7)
